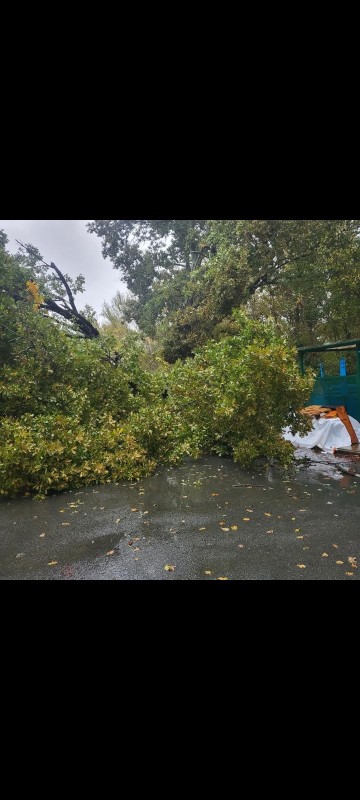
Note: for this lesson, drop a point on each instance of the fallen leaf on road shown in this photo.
(207, 572)
(241, 546)
(117, 521)
(325, 555)
(64, 524)
(226, 529)
(352, 561)
(297, 530)
(202, 529)
(234, 527)
(136, 549)
(223, 579)
(246, 519)
(299, 537)
(349, 573)
(340, 562)
(214, 494)
(169, 568)
(293, 519)
(301, 566)
(110, 553)
(336, 546)
(267, 514)
(134, 509)
(131, 542)
(52, 563)
(270, 531)
(42, 535)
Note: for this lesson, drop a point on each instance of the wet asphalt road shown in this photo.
(205, 520)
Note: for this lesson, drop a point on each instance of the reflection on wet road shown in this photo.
(205, 520)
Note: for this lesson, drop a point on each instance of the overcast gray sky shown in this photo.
(74, 250)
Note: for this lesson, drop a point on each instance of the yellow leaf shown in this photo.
(52, 563)
(297, 530)
(325, 555)
(202, 529)
(64, 524)
(169, 568)
(267, 514)
(42, 535)
(293, 519)
(340, 562)
(299, 537)
(352, 561)
(234, 527)
(349, 573)
(336, 546)
(249, 510)
(223, 579)
(226, 529)
(207, 572)
(214, 494)
(301, 566)
(241, 546)
(110, 553)
(246, 519)
(134, 509)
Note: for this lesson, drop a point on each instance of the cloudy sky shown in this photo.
(73, 250)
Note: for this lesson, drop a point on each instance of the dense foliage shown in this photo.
(220, 306)
(304, 275)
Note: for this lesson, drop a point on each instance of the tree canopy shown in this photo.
(220, 307)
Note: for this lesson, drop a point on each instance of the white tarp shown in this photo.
(328, 434)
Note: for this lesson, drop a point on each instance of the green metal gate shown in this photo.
(336, 390)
